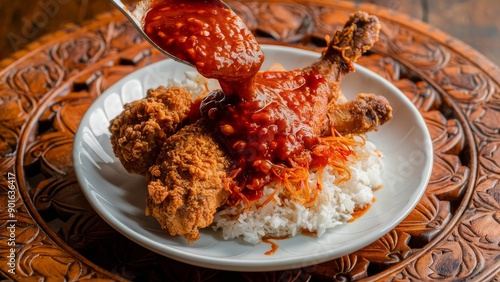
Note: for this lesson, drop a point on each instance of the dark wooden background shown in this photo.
(476, 22)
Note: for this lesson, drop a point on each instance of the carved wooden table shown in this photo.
(49, 230)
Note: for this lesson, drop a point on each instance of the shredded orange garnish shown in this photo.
(271, 197)
(332, 151)
(328, 40)
(319, 173)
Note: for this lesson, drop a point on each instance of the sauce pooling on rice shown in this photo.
(270, 121)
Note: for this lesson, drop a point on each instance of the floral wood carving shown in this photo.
(453, 233)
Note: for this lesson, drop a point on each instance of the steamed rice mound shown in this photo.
(284, 216)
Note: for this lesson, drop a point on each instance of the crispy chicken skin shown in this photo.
(366, 113)
(187, 183)
(358, 35)
(139, 131)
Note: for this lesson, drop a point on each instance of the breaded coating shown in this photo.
(366, 113)
(139, 131)
(187, 184)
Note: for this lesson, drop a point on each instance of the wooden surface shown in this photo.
(453, 233)
(475, 22)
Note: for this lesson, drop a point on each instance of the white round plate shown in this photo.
(119, 197)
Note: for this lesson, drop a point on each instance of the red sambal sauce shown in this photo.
(264, 118)
(206, 34)
(276, 121)
(279, 117)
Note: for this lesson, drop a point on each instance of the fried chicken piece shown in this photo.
(187, 183)
(364, 114)
(368, 111)
(358, 35)
(138, 132)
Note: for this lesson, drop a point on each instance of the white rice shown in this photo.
(195, 83)
(333, 206)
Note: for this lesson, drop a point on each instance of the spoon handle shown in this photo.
(125, 11)
(135, 18)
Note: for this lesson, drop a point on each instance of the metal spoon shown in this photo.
(136, 17)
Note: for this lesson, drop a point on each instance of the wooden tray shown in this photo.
(49, 230)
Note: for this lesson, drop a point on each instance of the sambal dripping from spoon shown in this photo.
(209, 36)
